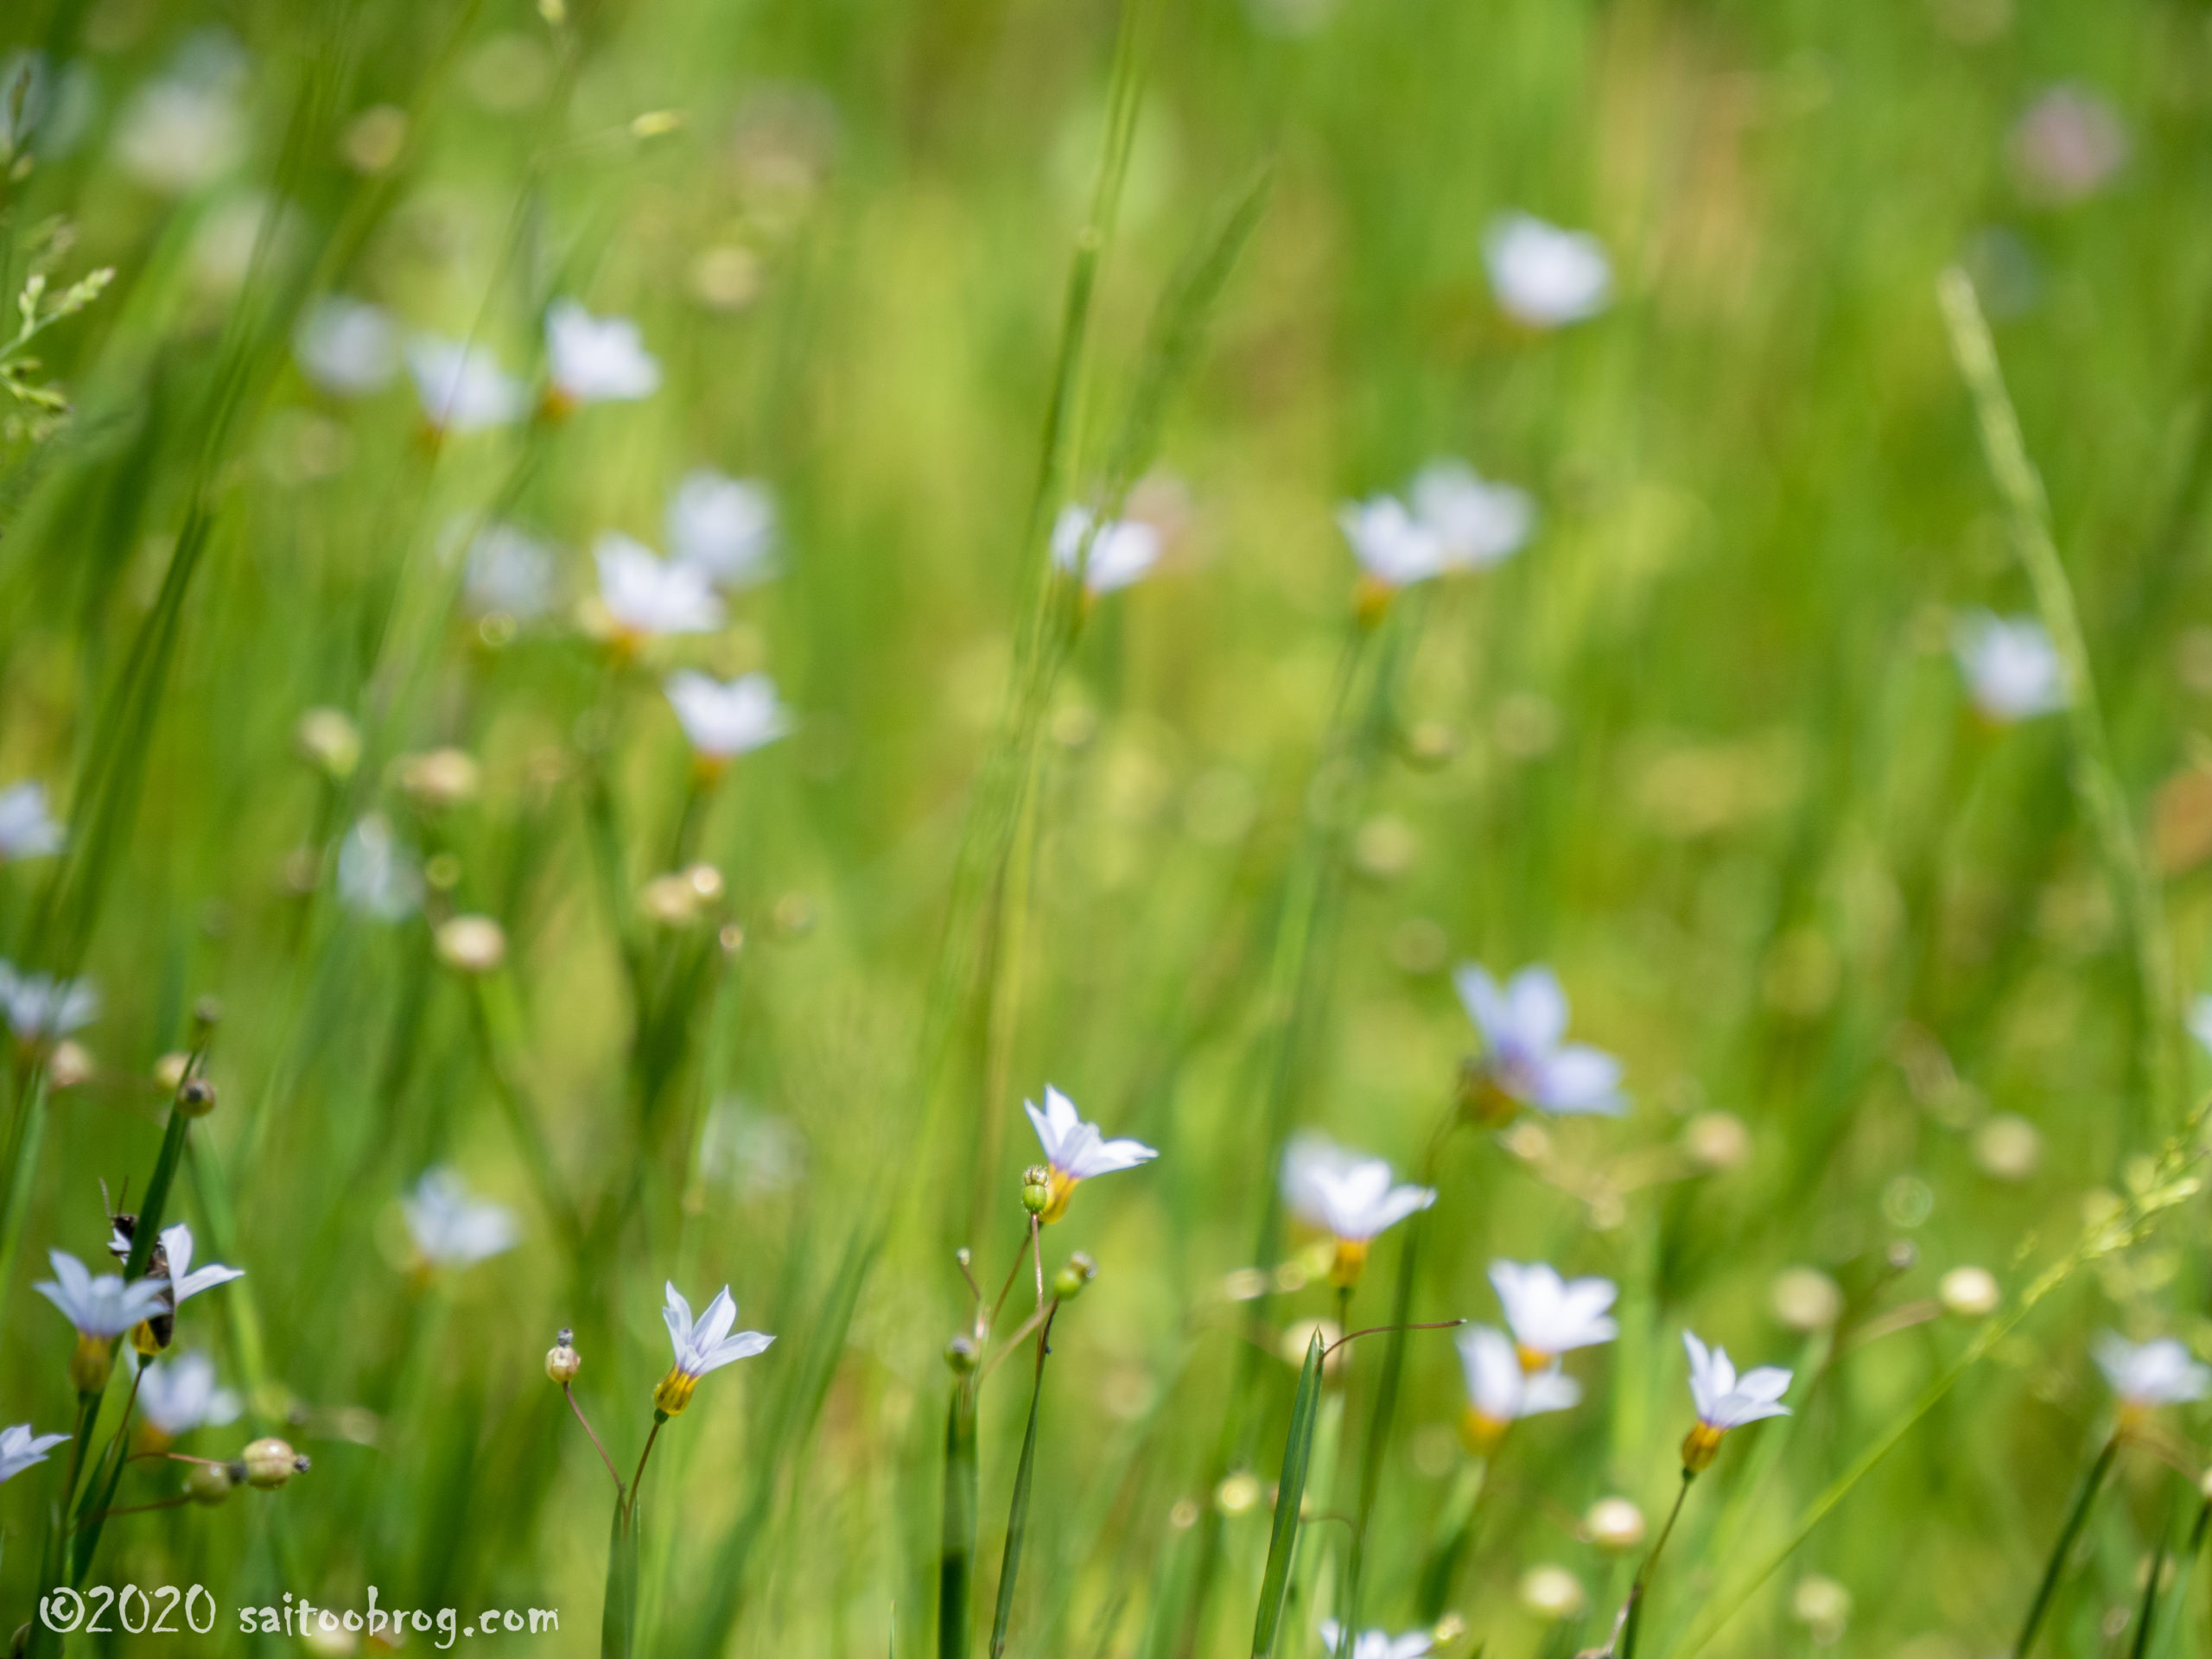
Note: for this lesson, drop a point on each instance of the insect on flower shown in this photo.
(1725, 1401)
(1350, 1195)
(1501, 1391)
(1374, 1644)
(1549, 1315)
(703, 1346)
(594, 360)
(27, 830)
(725, 720)
(168, 1266)
(20, 1449)
(2146, 1376)
(2012, 670)
(1523, 1061)
(1122, 552)
(1075, 1151)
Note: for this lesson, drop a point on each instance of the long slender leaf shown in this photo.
(618, 1621)
(1290, 1493)
(956, 1548)
(1017, 1515)
(2076, 1518)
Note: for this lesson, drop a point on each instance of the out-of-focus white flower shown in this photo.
(452, 1227)
(2151, 1374)
(701, 1346)
(1122, 552)
(184, 130)
(1550, 1315)
(38, 1007)
(1350, 1195)
(595, 359)
(1543, 275)
(1075, 1150)
(2012, 670)
(179, 1395)
(20, 1449)
(1476, 523)
(646, 596)
(377, 876)
(347, 346)
(101, 1308)
(462, 388)
(1395, 549)
(724, 721)
(1501, 1391)
(1374, 1644)
(2200, 1020)
(2067, 146)
(509, 573)
(725, 526)
(1524, 1058)
(1725, 1400)
(27, 831)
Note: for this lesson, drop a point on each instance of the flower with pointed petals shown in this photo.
(2012, 670)
(462, 388)
(38, 1007)
(177, 1287)
(179, 1395)
(1476, 523)
(451, 1227)
(26, 828)
(703, 1346)
(1523, 1061)
(595, 359)
(1545, 276)
(725, 721)
(1501, 1391)
(101, 1308)
(1075, 1151)
(1550, 1315)
(2150, 1374)
(1374, 1644)
(1121, 552)
(20, 1449)
(1725, 1401)
(509, 573)
(1395, 549)
(724, 526)
(1350, 1195)
(346, 346)
(647, 597)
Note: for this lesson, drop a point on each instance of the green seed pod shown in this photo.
(1078, 1271)
(210, 1483)
(962, 1355)
(1036, 1189)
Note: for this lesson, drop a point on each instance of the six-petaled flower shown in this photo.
(1524, 1061)
(1725, 1400)
(1075, 1151)
(1549, 1315)
(1350, 1195)
(702, 1346)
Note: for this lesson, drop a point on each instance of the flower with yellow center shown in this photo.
(1075, 1151)
(1351, 1196)
(1499, 1393)
(1725, 1401)
(702, 1346)
(102, 1309)
(1550, 1315)
(2149, 1375)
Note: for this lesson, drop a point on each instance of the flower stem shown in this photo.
(638, 1479)
(1629, 1627)
(576, 1407)
(2075, 1518)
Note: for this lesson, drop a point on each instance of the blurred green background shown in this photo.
(1701, 746)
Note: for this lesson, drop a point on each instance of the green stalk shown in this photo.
(1290, 1494)
(2148, 1611)
(618, 1621)
(29, 1141)
(1632, 1620)
(2075, 1518)
(1462, 1509)
(956, 1550)
(1017, 1516)
(1379, 1426)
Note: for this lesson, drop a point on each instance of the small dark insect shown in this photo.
(163, 1324)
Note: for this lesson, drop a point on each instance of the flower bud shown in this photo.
(1969, 1293)
(441, 778)
(212, 1483)
(1614, 1523)
(1079, 1270)
(196, 1098)
(961, 1354)
(563, 1362)
(1551, 1592)
(169, 1070)
(270, 1463)
(473, 944)
(207, 1015)
(1447, 1629)
(1717, 1140)
(69, 1064)
(328, 742)
(1036, 1189)
(90, 1361)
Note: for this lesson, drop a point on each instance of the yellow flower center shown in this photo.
(1532, 1359)
(1351, 1259)
(1480, 1432)
(143, 1338)
(1064, 1186)
(674, 1392)
(1700, 1446)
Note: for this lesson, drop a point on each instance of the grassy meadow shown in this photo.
(420, 425)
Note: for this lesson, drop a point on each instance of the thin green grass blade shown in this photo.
(1017, 1516)
(2075, 1518)
(1385, 1416)
(2146, 1615)
(618, 1621)
(956, 1548)
(1290, 1492)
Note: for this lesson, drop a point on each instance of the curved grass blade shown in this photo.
(2075, 1518)
(1290, 1492)
(1017, 1516)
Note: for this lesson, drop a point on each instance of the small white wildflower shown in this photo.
(184, 130)
(1350, 1195)
(509, 573)
(179, 1395)
(725, 526)
(377, 876)
(648, 597)
(1075, 1151)
(1122, 552)
(347, 346)
(2012, 670)
(451, 1227)
(1476, 523)
(701, 1346)
(2151, 1374)
(38, 1007)
(462, 388)
(597, 359)
(1550, 1315)
(1725, 1400)
(1395, 549)
(27, 830)
(100, 1308)
(20, 1449)
(1501, 1390)
(724, 721)
(2067, 146)
(1521, 1025)
(1374, 1644)
(1543, 275)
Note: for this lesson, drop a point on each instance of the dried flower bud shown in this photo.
(196, 1098)
(473, 944)
(328, 742)
(211, 1482)
(1551, 1592)
(1036, 1189)
(563, 1362)
(1805, 1300)
(1969, 1293)
(69, 1064)
(270, 1463)
(1717, 1140)
(1238, 1493)
(670, 900)
(962, 1355)
(441, 778)
(1079, 1270)
(1614, 1523)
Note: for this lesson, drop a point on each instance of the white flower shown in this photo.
(100, 1308)
(2159, 1373)
(26, 829)
(1075, 1150)
(2200, 1020)
(462, 388)
(724, 721)
(451, 1228)
(597, 359)
(1523, 1058)
(2068, 145)
(1393, 547)
(1550, 1315)
(1476, 523)
(179, 132)
(377, 876)
(646, 596)
(1353, 1196)
(509, 572)
(725, 526)
(37, 1006)
(1501, 1391)
(347, 346)
(1543, 275)
(20, 1449)
(179, 1395)
(1121, 552)
(2011, 669)
(700, 1346)
(1725, 1400)
(183, 1283)
(1376, 1645)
